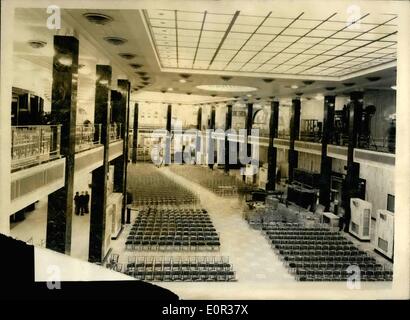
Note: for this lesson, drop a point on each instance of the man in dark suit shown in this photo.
(77, 203)
(86, 202)
(82, 203)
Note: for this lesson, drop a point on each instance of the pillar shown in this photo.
(63, 111)
(168, 138)
(228, 126)
(351, 184)
(120, 114)
(294, 135)
(211, 144)
(249, 122)
(99, 175)
(135, 135)
(326, 162)
(272, 151)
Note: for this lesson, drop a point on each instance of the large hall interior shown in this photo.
(219, 149)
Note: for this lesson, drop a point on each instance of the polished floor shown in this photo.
(259, 272)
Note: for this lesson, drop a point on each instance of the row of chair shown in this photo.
(317, 254)
(211, 243)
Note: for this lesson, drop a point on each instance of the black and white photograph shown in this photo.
(207, 150)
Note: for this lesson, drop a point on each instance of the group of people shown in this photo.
(81, 202)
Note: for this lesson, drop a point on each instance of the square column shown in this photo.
(99, 175)
(228, 126)
(294, 135)
(272, 151)
(135, 135)
(63, 111)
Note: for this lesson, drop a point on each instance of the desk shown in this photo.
(301, 196)
(331, 219)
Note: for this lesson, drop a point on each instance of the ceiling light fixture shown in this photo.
(182, 80)
(127, 56)
(225, 88)
(308, 82)
(136, 65)
(37, 44)
(226, 78)
(294, 86)
(330, 88)
(116, 41)
(185, 76)
(170, 89)
(373, 79)
(249, 95)
(268, 80)
(393, 87)
(98, 18)
(141, 73)
(299, 93)
(145, 78)
(349, 84)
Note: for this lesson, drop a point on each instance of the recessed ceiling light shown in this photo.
(182, 80)
(170, 89)
(225, 88)
(116, 41)
(136, 65)
(249, 95)
(308, 82)
(127, 56)
(97, 18)
(372, 79)
(294, 86)
(37, 44)
(349, 84)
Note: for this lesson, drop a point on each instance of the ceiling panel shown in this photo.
(308, 43)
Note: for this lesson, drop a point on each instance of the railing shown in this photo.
(87, 136)
(115, 131)
(310, 136)
(32, 145)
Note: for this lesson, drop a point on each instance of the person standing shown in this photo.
(77, 203)
(86, 202)
(82, 203)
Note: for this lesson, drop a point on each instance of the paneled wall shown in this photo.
(385, 103)
(309, 162)
(379, 183)
(339, 166)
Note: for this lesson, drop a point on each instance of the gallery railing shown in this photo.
(32, 145)
(87, 136)
(115, 131)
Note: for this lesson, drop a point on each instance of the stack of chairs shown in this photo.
(195, 268)
(150, 187)
(214, 180)
(171, 229)
(318, 254)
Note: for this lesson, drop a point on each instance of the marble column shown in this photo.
(272, 151)
(99, 175)
(294, 135)
(135, 134)
(228, 126)
(120, 114)
(63, 111)
(351, 183)
(326, 162)
(168, 137)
